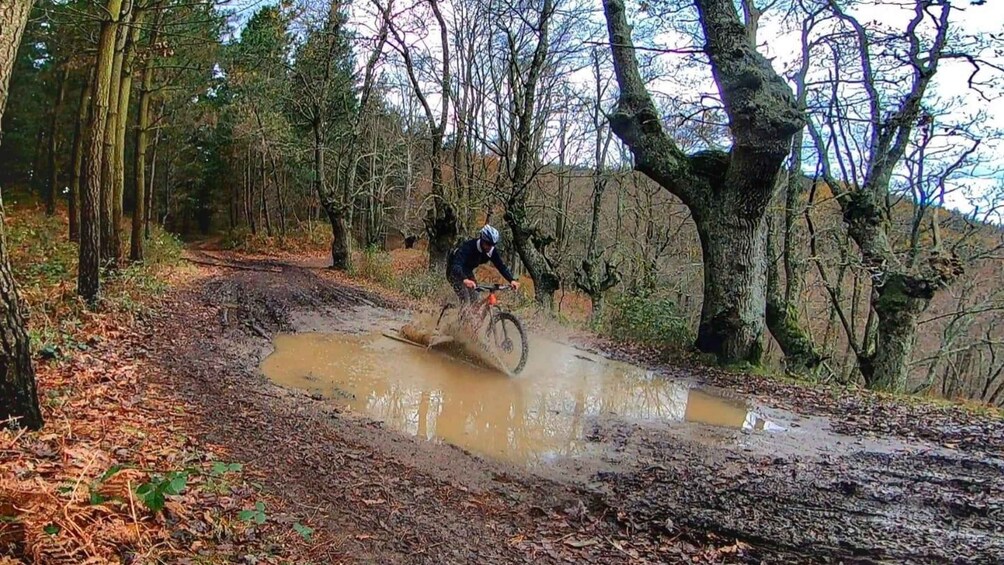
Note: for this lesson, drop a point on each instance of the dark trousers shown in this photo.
(466, 295)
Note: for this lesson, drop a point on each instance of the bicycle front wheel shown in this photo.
(509, 338)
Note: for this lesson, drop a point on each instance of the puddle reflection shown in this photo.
(536, 416)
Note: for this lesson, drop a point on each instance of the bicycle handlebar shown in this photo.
(492, 287)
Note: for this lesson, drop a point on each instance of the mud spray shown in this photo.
(452, 336)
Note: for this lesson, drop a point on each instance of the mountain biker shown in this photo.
(471, 254)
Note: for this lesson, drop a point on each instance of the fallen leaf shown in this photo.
(579, 544)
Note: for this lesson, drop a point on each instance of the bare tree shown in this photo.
(872, 118)
(786, 243)
(727, 192)
(593, 277)
(441, 222)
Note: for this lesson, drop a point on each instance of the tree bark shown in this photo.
(589, 278)
(80, 128)
(150, 201)
(139, 213)
(800, 353)
(57, 109)
(110, 240)
(530, 245)
(441, 222)
(340, 246)
(88, 283)
(727, 194)
(125, 94)
(735, 283)
(18, 395)
(264, 193)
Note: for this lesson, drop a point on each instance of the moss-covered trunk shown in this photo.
(783, 320)
(136, 240)
(125, 95)
(735, 284)
(898, 309)
(545, 278)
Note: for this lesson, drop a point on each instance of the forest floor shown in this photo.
(277, 476)
(856, 478)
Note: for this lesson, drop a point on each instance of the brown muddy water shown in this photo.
(538, 416)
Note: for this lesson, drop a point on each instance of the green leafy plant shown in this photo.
(93, 489)
(218, 480)
(422, 285)
(256, 515)
(220, 468)
(375, 265)
(650, 320)
(305, 532)
(153, 494)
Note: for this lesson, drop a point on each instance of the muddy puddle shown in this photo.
(540, 415)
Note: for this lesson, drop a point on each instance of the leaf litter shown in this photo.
(115, 476)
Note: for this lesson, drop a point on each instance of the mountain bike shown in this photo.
(505, 331)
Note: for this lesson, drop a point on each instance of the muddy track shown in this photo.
(658, 498)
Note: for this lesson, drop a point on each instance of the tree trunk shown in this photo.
(139, 170)
(340, 247)
(264, 195)
(735, 282)
(88, 283)
(125, 94)
(727, 193)
(441, 223)
(589, 279)
(18, 396)
(280, 201)
(140, 212)
(545, 280)
(83, 113)
(783, 320)
(110, 240)
(898, 304)
(153, 183)
(57, 109)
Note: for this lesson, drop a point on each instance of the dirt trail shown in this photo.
(655, 494)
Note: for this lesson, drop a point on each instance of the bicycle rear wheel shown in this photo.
(509, 338)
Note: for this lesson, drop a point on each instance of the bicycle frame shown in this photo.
(484, 306)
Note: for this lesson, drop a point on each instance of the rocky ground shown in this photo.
(854, 478)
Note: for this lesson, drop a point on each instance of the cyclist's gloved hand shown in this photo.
(514, 284)
(469, 283)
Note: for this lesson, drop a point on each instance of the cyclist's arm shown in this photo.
(457, 271)
(500, 265)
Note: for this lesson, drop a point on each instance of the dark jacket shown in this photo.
(464, 259)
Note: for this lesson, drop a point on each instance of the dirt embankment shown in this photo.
(656, 494)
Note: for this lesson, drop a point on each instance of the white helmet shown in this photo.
(490, 235)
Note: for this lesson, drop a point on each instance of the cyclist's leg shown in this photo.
(463, 293)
